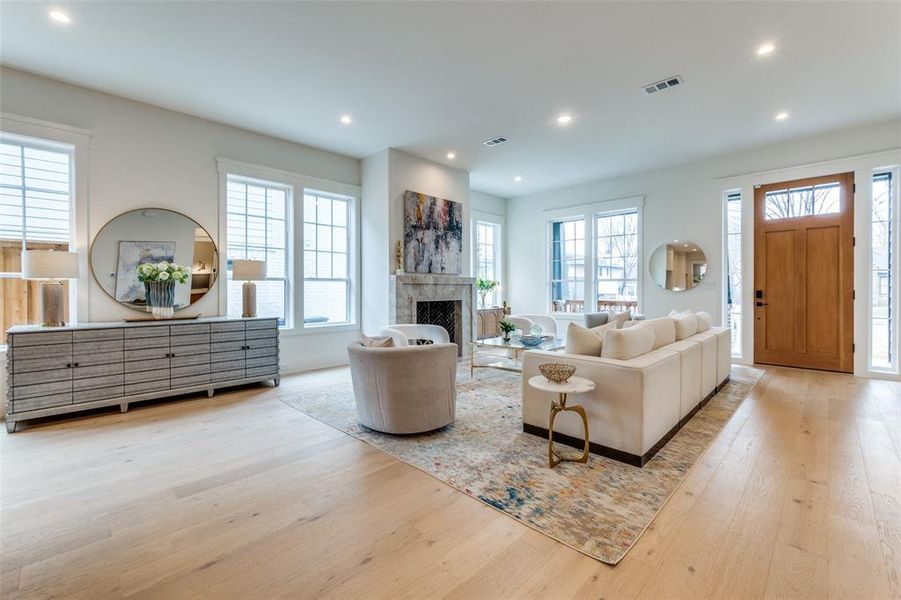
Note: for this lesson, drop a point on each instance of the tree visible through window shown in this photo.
(488, 244)
(733, 269)
(568, 266)
(617, 256)
(881, 235)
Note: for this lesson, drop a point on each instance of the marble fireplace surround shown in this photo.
(405, 290)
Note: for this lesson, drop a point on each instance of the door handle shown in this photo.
(762, 303)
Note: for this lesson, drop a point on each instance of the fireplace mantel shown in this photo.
(405, 290)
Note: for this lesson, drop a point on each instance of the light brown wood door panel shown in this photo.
(804, 273)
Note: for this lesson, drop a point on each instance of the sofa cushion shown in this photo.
(686, 325)
(580, 340)
(377, 342)
(596, 319)
(664, 330)
(625, 344)
(705, 321)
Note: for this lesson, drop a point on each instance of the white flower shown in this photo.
(163, 276)
(162, 266)
(147, 268)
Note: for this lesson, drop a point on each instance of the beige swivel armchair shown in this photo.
(406, 389)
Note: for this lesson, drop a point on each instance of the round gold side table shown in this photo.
(575, 385)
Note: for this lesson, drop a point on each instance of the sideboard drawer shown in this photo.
(227, 326)
(37, 390)
(97, 382)
(180, 330)
(19, 340)
(48, 401)
(97, 335)
(99, 394)
(33, 377)
(160, 376)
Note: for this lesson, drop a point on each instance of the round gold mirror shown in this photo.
(679, 266)
(154, 236)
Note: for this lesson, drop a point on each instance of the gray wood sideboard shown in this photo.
(52, 371)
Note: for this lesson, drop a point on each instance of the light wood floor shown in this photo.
(241, 496)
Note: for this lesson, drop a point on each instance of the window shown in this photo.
(326, 258)
(882, 320)
(804, 201)
(617, 256)
(35, 214)
(488, 257)
(733, 269)
(257, 218)
(567, 284)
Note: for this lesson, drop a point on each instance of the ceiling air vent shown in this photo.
(495, 141)
(663, 84)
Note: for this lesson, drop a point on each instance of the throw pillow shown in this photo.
(686, 325)
(619, 318)
(705, 321)
(623, 344)
(664, 331)
(377, 342)
(596, 319)
(580, 340)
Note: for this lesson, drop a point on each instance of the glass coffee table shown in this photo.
(513, 360)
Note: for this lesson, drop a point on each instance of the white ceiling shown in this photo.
(429, 77)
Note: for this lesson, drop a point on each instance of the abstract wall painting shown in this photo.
(132, 254)
(433, 234)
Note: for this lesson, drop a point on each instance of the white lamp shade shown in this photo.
(49, 264)
(248, 270)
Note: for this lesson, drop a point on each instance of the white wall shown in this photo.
(143, 156)
(386, 176)
(685, 202)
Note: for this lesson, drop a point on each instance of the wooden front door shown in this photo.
(804, 273)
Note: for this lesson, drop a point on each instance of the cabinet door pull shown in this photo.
(75, 364)
(68, 365)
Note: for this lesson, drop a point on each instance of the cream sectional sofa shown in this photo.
(638, 404)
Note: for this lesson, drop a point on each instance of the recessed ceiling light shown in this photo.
(686, 245)
(518, 178)
(765, 49)
(564, 119)
(451, 155)
(781, 116)
(60, 17)
(346, 119)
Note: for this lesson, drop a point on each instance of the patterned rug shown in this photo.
(599, 509)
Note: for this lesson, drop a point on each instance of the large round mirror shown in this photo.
(678, 266)
(153, 235)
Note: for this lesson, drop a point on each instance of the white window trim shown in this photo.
(895, 332)
(80, 141)
(298, 183)
(500, 251)
(588, 212)
(725, 264)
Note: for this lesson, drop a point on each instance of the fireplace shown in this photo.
(443, 313)
(445, 300)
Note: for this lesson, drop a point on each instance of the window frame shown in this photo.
(728, 196)
(19, 128)
(595, 237)
(496, 296)
(588, 214)
(894, 270)
(289, 201)
(351, 227)
(299, 183)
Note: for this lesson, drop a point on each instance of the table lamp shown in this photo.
(49, 267)
(249, 271)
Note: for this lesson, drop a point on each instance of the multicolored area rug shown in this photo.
(599, 509)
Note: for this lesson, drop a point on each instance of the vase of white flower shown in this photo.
(159, 281)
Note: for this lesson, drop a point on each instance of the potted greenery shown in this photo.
(507, 327)
(159, 281)
(484, 286)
